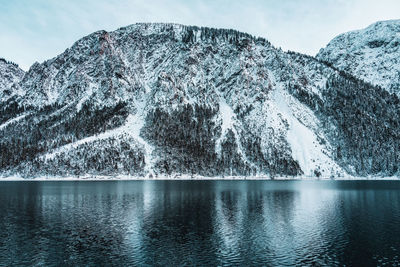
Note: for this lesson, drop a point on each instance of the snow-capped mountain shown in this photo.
(10, 76)
(372, 54)
(165, 99)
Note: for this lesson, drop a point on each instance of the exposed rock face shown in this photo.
(372, 54)
(10, 91)
(10, 76)
(166, 99)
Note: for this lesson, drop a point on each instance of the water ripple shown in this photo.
(204, 223)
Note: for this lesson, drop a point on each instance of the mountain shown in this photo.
(10, 92)
(372, 54)
(168, 99)
(10, 76)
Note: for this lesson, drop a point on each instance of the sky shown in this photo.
(36, 30)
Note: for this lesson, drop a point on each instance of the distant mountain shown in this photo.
(168, 99)
(372, 54)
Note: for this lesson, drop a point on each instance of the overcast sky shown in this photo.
(36, 30)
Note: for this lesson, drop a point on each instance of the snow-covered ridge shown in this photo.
(10, 76)
(188, 33)
(372, 54)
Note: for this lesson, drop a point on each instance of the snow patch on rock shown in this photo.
(307, 150)
(86, 97)
(227, 117)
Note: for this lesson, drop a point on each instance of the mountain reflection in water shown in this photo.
(200, 223)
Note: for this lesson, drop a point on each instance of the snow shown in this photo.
(227, 116)
(132, 126)
(192, 177)
(9, 74)
(306, 149)
(153, 72)
(89, 93)
(52, 96)
(89, 139)
(353, 52)
(4, 125)
(302, 141)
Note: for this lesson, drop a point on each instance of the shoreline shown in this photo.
(189, 178)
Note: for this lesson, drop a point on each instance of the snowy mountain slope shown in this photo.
(372, 54)
(10, 75)
(10, 92)
(166, 99)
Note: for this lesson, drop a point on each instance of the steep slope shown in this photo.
(10, 92)
(372, 54)
(10, 75)
(168, 99)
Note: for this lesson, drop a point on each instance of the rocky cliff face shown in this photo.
(167, 99)
(10, 91)
(372, 54)
(10, 76)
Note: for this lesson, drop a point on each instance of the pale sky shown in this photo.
(36, 30)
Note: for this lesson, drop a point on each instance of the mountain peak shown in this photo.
(187, 33)
(10, 75)
(107, 55)
(372, 54)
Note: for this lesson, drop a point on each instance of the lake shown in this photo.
(252, 223)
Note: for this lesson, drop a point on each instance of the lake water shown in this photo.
(165, 223)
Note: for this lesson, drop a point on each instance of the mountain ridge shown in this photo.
(371, 54)
(169, 99)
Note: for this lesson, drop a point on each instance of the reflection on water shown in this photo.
(200, 223)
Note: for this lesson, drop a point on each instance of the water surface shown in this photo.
(273, 223)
